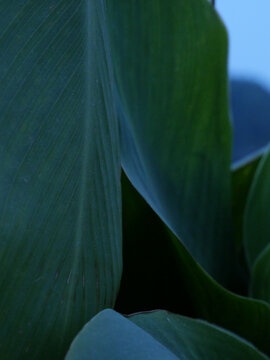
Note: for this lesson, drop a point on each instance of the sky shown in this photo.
(248, 24)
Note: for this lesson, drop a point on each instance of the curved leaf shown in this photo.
(242, 176)
(246, 317)
(195, 339)
(176, 282)
(256, 217)
(60, 219)
(260, 280)
(150, 271)
(110, 336)
(157, 335)
(170, 67)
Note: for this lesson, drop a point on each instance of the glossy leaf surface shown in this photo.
(170, 67)
(60, 218)
(154, 336)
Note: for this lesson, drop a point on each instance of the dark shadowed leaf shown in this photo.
(167, 277)
(60, 219)
(246, 317)
(170, 66)
(154, 336)
(260, 279)
(150, 270)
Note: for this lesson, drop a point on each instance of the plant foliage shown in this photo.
(88, 86)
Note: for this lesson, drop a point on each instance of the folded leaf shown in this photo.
(60, 219)
(246, 317)
(170, 65)
(156, 335)
(173, 280)
(150, 271)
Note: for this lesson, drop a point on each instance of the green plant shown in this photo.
(72, 74)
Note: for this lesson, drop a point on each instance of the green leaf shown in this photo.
(256, 217)
(170, 66)
(195, 339)
(246, 317)
(110, 336)
(156, 335)
(60, 218)
(173, 280)
(242, 175)
(260, 279)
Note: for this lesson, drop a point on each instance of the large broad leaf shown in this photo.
(260, 280)
(256, 219)
(154, 336)
(170, 67)
(173, 280)
(60, 221)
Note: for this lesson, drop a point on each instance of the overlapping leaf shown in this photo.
(60, 220)
(168, 277)
(195, 339)
(170, 67)
(110, 336)
(157, 335)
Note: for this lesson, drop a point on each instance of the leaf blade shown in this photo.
(256, 222)
(110, 336)
(195, 339)
(176, 282)
(156, 335)
(173, 109)
(60, 216)
(260, 286)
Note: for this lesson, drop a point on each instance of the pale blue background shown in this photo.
(248, 23)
